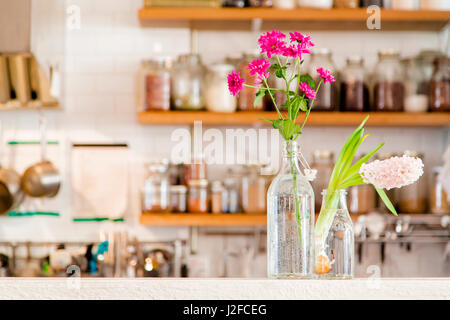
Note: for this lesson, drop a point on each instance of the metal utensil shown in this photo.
(42, 179)
(11, 193)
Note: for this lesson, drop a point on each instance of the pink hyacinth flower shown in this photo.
(235, 83)
(309, 93)
(395, 172)
(326, 75)
(259, 67)
(272, 43)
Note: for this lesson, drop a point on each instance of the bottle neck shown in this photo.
(290, 158)
(335, 199)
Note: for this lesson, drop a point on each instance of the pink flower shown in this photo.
(300, 38)
(395, 172)
(326, 75)
(295, 50)
(272, 43)
(259, 67)
(235, 83)
(309, 93)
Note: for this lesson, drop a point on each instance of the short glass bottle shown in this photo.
(156, 191)
(336, 260)
(327, 96)
(290, 220)
(354, 88)
(389, 91)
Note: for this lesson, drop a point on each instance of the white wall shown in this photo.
(99, 64)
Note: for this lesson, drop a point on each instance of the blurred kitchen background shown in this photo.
(94, 80)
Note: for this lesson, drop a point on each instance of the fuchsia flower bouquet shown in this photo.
(392, 173)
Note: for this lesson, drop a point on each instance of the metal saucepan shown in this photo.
(42, 179)
(11, 193)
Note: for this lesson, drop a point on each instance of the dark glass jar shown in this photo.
(389, 90)
(327, 96)
(235, 3)
(368, 3)
(247, 95)
(440, 86)
(354, 88)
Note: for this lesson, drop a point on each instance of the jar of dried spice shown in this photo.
(247, 95)
(156, 84)
(198, 200)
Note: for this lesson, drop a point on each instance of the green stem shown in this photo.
(255, 87)
(291, 155)
(325, 219)
(273, 99)
(310, 107)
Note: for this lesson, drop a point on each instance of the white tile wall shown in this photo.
(100, 64)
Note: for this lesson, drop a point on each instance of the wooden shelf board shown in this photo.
(203, 219)
(382, 119)
(326, 19)
(10, 108)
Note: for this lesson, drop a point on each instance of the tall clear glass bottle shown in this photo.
(336, 258)
(290, 220)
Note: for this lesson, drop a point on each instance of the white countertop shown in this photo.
(227, 289)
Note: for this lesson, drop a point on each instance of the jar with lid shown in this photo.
(439, 203)
(403, 4)
(260, 3)
(368, 3)
(218, 98)
(178, 199)
(197, 170)
(440, 85)
(253, 191)
(320, 4)
(431, 4)
(155, 84)
(247, 95)
(346, 3)
(327, 96)
(415, 100)
(389, 91)
(413, 198)
(322, 162)
(198, 200)
(283, 4)
(354, 89)
(156, 191)
(217, 197)
(188, 83)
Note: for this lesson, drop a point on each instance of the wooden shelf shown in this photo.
(4, 107)
(382, 119)
(203, 219)
(313, 18)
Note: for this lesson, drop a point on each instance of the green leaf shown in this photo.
(303, 105)
(355, 168)
(308, 79)
(288, 128)
(386, 200)
(259, 96)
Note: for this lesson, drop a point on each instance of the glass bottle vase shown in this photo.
(290, 220)
(335, 244)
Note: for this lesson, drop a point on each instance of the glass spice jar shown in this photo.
(320, 4)
(389, 91)
(188, 83)
(178, 199)
(361, 199)
(218, 98)
(403, 4)
(323, 162)
(354, 89)
(231, 199)
(425, 62)
(346, 3)
(438, 199)
(247, 95)
(198, 201)
(217, 197)
(156, 191)
(327, 96)
(283, 4)
(253, 191)
(413, 198)
(415, 100)
(197, 170)
(156, 84)
(440, 85)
